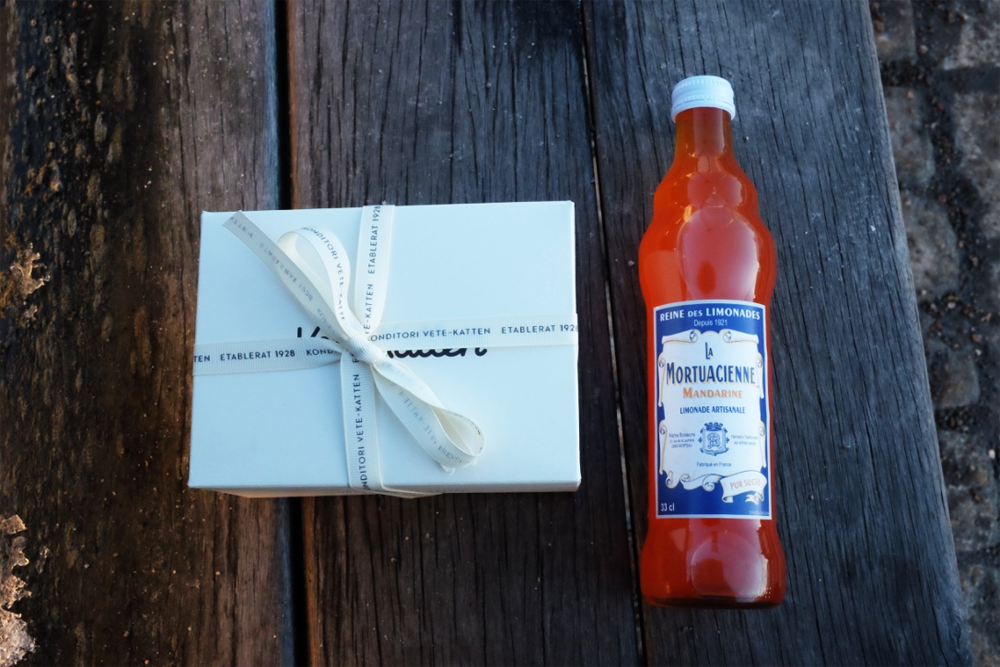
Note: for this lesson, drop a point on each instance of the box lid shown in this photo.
(281, 432)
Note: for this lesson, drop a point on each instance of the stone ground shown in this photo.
(940, 63)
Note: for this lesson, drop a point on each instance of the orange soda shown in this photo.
(707, 267)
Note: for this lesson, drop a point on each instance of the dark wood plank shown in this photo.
(119, 123)
(436, 102)
(863, 518)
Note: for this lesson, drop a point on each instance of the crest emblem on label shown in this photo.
(713, 439)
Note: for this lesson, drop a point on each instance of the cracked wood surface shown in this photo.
(119, 123)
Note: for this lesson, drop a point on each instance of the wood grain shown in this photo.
(434, 102)
(861, 509)
(119, 123)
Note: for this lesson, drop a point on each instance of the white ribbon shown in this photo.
(449, 438)
(407, 339)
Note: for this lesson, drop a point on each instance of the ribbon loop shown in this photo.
(314, 266)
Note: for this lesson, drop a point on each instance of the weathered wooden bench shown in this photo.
(120, 122)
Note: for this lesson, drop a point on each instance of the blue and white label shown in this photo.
(713, 425)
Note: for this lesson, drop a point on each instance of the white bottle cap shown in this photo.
(702, 91)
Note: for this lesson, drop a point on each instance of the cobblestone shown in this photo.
(977, 137)
(933, 244)
(940, 62)
(894, 34)
(953, 375)
(973, 497)
(979, 41)
(911, 140)
(981, 586)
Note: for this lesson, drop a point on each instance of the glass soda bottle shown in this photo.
(707, 266)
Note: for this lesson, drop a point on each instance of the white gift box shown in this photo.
(452, 269)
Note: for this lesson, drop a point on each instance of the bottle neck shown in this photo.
(703, 132)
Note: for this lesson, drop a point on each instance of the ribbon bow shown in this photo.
(313, 265)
